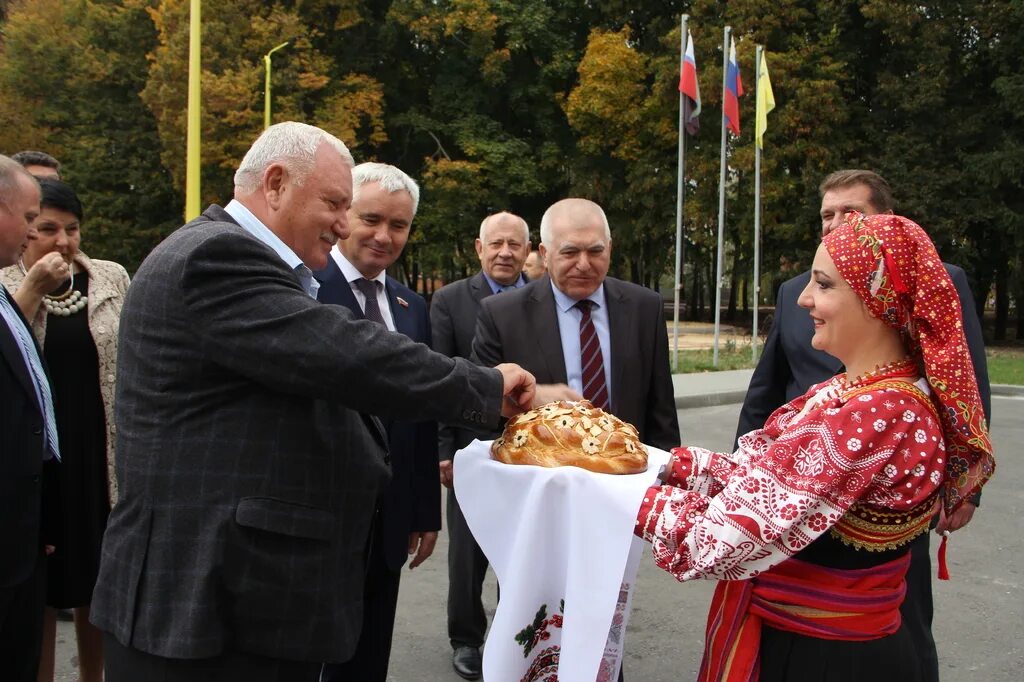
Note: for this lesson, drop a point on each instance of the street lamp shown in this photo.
(266, 88)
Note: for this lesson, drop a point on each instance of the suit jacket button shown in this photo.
(466, 414)
(37, 432)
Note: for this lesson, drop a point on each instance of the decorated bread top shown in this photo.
(578, 434)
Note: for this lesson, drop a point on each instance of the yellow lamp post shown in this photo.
(192, 137)
(266, 88)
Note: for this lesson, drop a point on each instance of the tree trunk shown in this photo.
(1002, 303)
(696, 295)
(1020, 297)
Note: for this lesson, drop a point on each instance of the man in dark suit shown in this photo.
(384, 202)
(26, 410)
(502, 248)
(789, 366)
(248, 466)
(542, 326)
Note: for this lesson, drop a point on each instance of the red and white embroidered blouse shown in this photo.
(866, 467)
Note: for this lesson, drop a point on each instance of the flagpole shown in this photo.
(680, 173)
(192, 140)
(721, 198)
(757, 209)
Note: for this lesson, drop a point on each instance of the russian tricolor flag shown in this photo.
(690, 88)
(733, 91)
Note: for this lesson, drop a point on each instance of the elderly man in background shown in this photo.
(502, 247)
(534, 267)
(248, 464)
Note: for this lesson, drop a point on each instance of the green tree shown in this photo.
(70, 76)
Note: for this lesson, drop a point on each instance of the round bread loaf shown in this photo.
(572, 434)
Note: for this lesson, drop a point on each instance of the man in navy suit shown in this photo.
(25, 442)
(384, 202)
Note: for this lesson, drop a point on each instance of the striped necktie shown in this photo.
(595, 388)
(372, 308)
(23, 337)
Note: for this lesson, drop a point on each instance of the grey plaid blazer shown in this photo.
(248, 474)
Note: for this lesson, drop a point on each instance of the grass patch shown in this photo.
(701, 360)
(1005, 365)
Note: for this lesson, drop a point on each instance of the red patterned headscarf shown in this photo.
(890, 262)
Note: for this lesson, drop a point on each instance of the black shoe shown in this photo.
(467, 662)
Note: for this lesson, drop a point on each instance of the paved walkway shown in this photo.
(705, 389)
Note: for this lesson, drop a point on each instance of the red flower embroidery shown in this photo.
(817, 522)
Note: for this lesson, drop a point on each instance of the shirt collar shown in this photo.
(564, 302)
(349, 270)
(254, 226)
(497, 288)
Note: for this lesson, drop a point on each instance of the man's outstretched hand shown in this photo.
(520, 387)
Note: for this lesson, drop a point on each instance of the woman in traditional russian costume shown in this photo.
(808, 524)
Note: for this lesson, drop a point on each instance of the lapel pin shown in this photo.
(402, 302)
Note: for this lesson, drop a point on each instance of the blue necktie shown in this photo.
(35, 368)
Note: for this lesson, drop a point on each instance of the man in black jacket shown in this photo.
(26, 412)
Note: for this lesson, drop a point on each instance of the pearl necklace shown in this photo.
(66, 304)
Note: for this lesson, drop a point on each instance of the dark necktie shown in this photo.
(369, 290)
(595, 388)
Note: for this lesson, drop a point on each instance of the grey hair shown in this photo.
(291, 144)
(10, 171)
(390, 179)
(545, 222)
(485, 221)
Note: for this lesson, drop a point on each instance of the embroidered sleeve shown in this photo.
(882, 448)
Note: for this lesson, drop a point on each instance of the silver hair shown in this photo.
(291, 144)
(390, 179)
(483, 226)
(10, 171)
(545, 223)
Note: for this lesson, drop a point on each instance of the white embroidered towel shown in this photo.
(561, 543)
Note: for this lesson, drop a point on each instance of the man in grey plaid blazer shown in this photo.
(247, 464)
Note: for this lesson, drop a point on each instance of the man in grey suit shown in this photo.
(603, 337)
(542, 326)
(789, 366)
(248, 466)
(502, 247)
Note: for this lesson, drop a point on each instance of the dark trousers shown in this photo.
(467, 566)
(21, 625)
(917, 608)
(124, 664)
(380, 600)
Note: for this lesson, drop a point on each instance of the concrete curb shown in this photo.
(1007, 389)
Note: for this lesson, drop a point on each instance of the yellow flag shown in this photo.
(765, 101)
